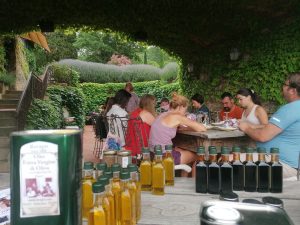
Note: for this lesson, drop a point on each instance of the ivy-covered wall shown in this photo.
(22, 66)
(264, 62)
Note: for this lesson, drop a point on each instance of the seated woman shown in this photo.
(199, 107)
(253, 112)
(164, 128)
(139, 124)
(118, 109)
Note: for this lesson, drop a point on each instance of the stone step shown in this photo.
(9, 101)
(4, 166)
(8, 106)
(4, 153)
(4, 142)
(8, 113)
(9, 121)
(11, 96)
(5, 131)
(14, 92)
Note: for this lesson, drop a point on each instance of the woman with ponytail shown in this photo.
(253, 113)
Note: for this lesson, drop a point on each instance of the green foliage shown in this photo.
(64, 74)
(99, 46)
(71, 98)
(170, 72)
(43, 114)
(8, 79)
(2, 57)
(157, 56)
(96, 94)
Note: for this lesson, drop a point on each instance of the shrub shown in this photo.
(8, 79)
(170, 72)
(64, 74)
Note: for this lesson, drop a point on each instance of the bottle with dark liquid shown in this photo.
(250, 171)
(276, 172)
(201, 171)
(238, 170)
(226, 171)
(213, 172)
(263, 172)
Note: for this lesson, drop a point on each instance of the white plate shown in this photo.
(226, 128)
(218, 124)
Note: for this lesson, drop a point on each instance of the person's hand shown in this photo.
(243, 125)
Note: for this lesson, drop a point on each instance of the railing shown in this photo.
(35, 88)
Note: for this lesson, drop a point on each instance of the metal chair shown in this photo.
(100, 130)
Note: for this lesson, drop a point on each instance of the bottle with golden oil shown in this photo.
(100, 168)
(110, 195)
(145, 170)
(168, 163)
(87, 193)
(116, 189)
(106, 204)
(96, 215)
(126, 203)
(156, 148)
(133, 169)
(133, 191)
(158, 174)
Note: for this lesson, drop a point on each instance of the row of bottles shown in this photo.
(113, 197)
(225, 176)
(155, 175)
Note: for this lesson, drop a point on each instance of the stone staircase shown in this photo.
(8, 123)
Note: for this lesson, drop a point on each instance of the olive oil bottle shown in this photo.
(237, 169)
(96, 215)
(263, 172)
(133, 192)
(276, 172)
(100, 168)
(126, 202)
(109, 211)
(116, 189)
(158, 175)
(146, 170)
(250, 171)
(226, 172)
(201, 171)
(168, 163)
(87, 192)
(110, 195)
(213, 172)
(134, 176)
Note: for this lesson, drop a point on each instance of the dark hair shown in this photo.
(122, 97)
(108, 104)
(164, 100)
(226, 94)
(198, 98)
(294, 80)
(246, 92)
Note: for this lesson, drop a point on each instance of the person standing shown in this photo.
(283, 129)
(134, 99)
(253, 112)
(229, 106)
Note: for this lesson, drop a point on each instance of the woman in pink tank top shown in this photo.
(164, 128)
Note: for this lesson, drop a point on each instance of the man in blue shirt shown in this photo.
(283, 129)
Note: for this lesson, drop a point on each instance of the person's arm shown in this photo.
(147, 117)
(263, 134)
(262, 116)
(184, 121)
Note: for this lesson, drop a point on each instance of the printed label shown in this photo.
(39, 188)
(125, 161)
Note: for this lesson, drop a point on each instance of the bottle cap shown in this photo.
(88, 166)
(145, 150)
(132, 168)
(108, 174)
(212, 150)
(103, 180)
(158, 152)
(116, 167)
(225, 150)
(229, 196)
(125, 175)
(97, 187)
(273, 201)
(236, 149)
(157, 147)
(101, 166)
(274, 150)
(200, 150)
(168, 147)
(249, 150)
(251, 201)
(261, 150)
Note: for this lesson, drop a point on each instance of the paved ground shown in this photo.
(88, 144)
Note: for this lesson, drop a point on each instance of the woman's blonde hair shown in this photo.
(147, 103)
(178, 100)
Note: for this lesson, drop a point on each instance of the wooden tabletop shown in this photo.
(214, 134)
(181, 204)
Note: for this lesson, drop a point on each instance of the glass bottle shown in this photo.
(110, 195)
(201, 171)
(145, 170)
(213, 172)
(237, 169)
(105, 201)
(126, 203)
(156, 148)
(96, 215)
(168, 163)
(135, 177)
(87, 193)
(116, 189)
(263, 171)
(276, 172)
(100, 168)
(133, 189)
(158, 175)
(250, 171)
(226, 172)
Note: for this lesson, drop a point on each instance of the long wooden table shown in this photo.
(190, 140)
(181, 204)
